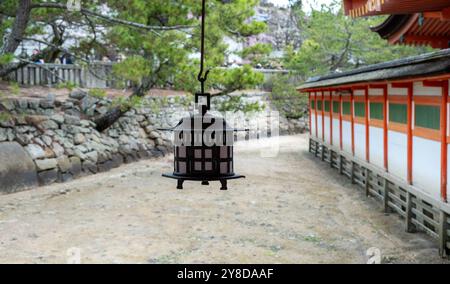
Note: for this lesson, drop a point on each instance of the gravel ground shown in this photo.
(290, 209)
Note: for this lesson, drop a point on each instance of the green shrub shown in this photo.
(97, 93)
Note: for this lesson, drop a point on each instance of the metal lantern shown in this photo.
(203, 143)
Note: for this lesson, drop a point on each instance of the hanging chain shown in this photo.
(200, 77)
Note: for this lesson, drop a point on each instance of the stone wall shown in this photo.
(60, 143)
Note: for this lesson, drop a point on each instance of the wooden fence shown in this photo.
(420, 212)
(98, 75)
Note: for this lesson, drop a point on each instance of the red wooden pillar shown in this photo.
(385, 128)
(331, 117)
(310, 113)
(410, 135)
(444, 140)
(340, 122)
(366, 95)
(315, 114)
(323, 116)
(352, 120)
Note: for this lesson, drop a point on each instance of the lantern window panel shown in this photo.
(197, 166)
(224, 167)
(208, 154)
(208, 166)
(182, 169)
(223, 152)
(182, 152)
(313, 104)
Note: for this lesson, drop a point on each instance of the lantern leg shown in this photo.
(224, 184)
(205, 182)
(180, 184)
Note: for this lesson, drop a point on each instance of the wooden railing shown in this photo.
(97, 75)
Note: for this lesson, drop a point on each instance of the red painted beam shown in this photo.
(310, 113)
(323, 117)
(315, 106)
(366, 98)
(331, 117)
(352, 120)
(444, 148)
(340, 122)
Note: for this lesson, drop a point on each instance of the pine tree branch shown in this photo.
(111, 19)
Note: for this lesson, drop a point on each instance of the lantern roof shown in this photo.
(198, 121)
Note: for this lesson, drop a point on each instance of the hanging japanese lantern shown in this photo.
(203, 143)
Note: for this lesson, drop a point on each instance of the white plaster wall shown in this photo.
(427, 166)
(347, 136)
(313, 124)
(360, 141)
(327, 130)
(336, 134)
(448, 171)
(397, 154)
(420, 90)
(319, 126)
(376, 146)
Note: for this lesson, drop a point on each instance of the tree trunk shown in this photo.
(105, 121)
(17, 32)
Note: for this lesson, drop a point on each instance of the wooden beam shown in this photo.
(315, 104)
(366, 98)
(352, 121)
(340, 122)
(331, 118)
(310, 113)
(323, 116)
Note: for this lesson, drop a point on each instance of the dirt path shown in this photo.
(290, 209)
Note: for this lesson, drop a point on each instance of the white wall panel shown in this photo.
(319, 126)
(360, 141)
(327, 130)
(397, 154)
(313, 124)
(347, 136)
(427, 166)
(420, 90)
(376, 146)
(336, 134)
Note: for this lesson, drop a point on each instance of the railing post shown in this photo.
(353, 173)
(444, 250)
(386, 196)
(367, 184)
(408, 219)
